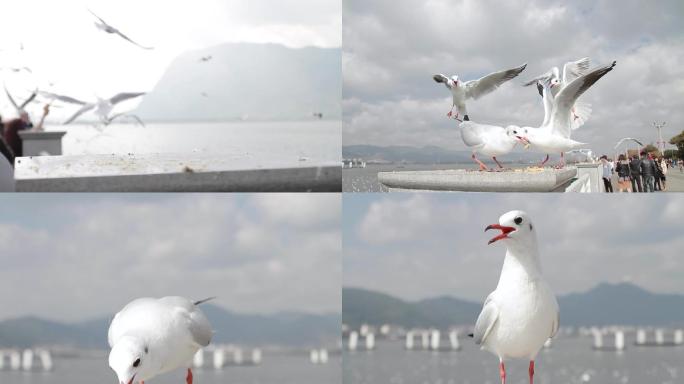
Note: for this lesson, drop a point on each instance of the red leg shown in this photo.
(562, 161)
(502, 372)
(449, 114)
(545, 160)
(497, 162)
(483, 167)
(531, 371)
(188, 379)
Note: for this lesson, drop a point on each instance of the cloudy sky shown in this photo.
(426, 245)
(75, 257)
(62, 46)
(390, 54)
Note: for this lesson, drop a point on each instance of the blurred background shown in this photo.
(70, 262)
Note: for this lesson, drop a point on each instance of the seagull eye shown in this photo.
(518, 220)
(136, 363)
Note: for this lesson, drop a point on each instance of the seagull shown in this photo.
(522, 313)
(571, 70)
(103, 107)
(554, 133)
(628, 139)
(490, 140)
(103, 26)
(20, 107)
(474, 89)
(19, 69)
(151, 336)
(206, 58)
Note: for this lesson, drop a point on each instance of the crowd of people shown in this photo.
(10, 141)
(645, 173)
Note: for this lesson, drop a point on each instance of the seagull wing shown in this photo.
(575, 69)
(565, 99)
(486, 321)
(78, 113)
(619, 143)
(544, 77)
(556, 323)
(478, 88)
(197, 323)
(98, 17)
(124, 96)
(441, 78)
(27, 101)
(118, 115)
(11, 99)
(129, 39)
(130, 314)
(66, 99)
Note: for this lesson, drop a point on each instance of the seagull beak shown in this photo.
(523, 140)
(504, 232)
(131, 381)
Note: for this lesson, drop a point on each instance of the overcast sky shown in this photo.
(426, 245)
(62, 45)
(75, 257)
(391, 52)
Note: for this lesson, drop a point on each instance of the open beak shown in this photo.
(130, 381)
(523, 140)
(504, 232)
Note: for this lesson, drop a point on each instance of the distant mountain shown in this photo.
(624, 304)
(254, 81)
(426, 155)
(286, 329)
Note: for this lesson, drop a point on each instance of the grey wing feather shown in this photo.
(78, 113)
(440, 78)
(129, 39)
(66, 99)
(98, 17)
(11, 99)
(566, 98)
(125, 96)
(30, 99)
(575, 69)
(486, 321)
(198, 325)
(478, 88)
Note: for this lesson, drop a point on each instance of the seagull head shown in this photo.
(514, 226)
(518, 133)
(454, 80)
(554, 82)
(127, 359)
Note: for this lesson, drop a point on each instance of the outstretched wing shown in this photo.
(565, 99)
(486, 321)
(626, 139)
(78, 113)
(129, 39)
(98, 17)
(11, 99)
(27, 101)
(543, 77)
(478, 88)
(575, 69)
(124, 96)
(66, 99)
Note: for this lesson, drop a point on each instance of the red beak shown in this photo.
(504, 232)
(523, 140)
(132, 378)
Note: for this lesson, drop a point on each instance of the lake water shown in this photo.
(319, 140)
(275, 369)
(570, 360)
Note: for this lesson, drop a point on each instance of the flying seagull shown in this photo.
(206, 58)
(152, 336)
(20, 107)
(103, 107)
(102, 25)
(474, 89)
(522, 313)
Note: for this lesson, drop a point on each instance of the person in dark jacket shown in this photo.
(635, 171)
(623, 172)
(648, 172)
(659, 174)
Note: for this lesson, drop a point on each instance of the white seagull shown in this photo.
(522, 312)
(474, 89)
(20, 107)
(554, 133)
(490, 140)
(103, 107)
(571, 70)
(153, 336)
(103, 26)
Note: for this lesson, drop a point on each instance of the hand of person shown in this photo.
(46, 109)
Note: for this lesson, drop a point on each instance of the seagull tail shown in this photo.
(204, 300)
(471, 335)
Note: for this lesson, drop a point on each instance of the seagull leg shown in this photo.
(562, 161)
(188, 379)
(502, 372)
(531, 371)
(483, 167)
(497, 162)
(545, 160)
(451, 111)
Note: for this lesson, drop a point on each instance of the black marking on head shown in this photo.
(518, 220)
(466, 118)
(530, 226)
(136, 363)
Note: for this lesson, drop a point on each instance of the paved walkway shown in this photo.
(675, 181)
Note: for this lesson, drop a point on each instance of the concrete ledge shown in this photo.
(35, 143)
(173, 173)
(518, 180)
